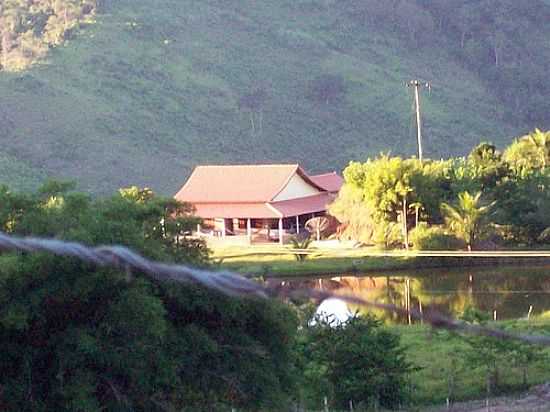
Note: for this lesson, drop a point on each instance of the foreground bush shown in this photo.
(358, 361)
(75, 337)
(434, 238)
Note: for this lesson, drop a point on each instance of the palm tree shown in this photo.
(467, 219)
(530, 152)
(300, 245)
(541, 142)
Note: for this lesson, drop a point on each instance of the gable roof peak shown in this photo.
(239, 183)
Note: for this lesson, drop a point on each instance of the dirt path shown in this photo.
(536, 400)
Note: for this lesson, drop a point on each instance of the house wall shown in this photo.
(296, 188)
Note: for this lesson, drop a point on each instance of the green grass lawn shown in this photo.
(272, 260)
(441, 358)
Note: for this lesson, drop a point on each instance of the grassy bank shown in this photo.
(446, 372)
(269, 261)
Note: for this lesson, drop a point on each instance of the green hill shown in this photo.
(152, 89)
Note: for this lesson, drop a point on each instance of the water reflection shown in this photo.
(508, 291)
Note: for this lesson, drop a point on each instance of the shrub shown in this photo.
(79, 337)
(388, 235)
(434, 238)
(302, 245)
(356, 218)
(357, 360)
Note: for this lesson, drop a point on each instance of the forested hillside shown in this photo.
(153, 88)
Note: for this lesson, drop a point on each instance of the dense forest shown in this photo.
(28, 28)
(148, 92)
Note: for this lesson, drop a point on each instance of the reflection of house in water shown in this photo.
(512, 293)
(334, 310)
(369, 288)
(338, 284)
(356, 284)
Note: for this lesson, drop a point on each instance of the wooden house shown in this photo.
(257, 202)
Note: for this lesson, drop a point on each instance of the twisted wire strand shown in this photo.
(232, 284)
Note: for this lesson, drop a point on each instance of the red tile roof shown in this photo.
(331, 182)
(247, 191)
(238, 183)
(285, 208)
(235, 210)
(303, 205)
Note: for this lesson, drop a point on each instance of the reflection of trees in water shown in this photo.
(534, 290)
(499, 290)
(382, 290)
(392, 290)
(448, 292)
(510, 294)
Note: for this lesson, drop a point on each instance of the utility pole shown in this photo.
(417, 84)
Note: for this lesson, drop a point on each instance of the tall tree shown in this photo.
(468, 218)
(530, 152)
(254, 103)
(327, 89)
(386, 186)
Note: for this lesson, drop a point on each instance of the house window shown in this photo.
(208, 224)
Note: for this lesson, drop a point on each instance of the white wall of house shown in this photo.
(296, 187)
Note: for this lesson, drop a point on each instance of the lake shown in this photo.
(504, 292)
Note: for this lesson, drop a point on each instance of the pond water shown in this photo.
(507, 292)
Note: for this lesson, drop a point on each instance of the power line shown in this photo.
(417, 84)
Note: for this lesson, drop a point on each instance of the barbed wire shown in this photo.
(483, 292)
(231, 283)
(123, 258)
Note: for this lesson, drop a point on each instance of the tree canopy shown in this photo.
(466, 219)
(450, 191)
(529, 152)
(28, 28)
